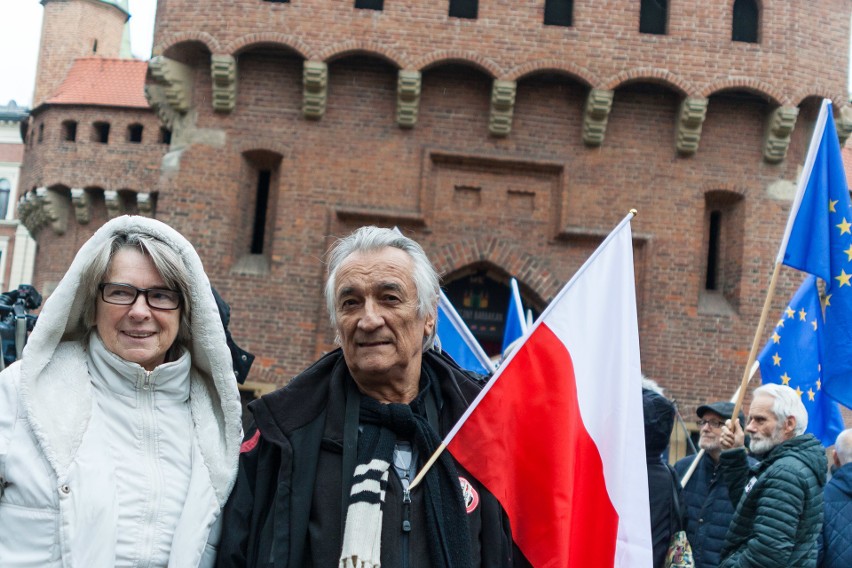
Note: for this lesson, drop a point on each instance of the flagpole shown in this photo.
(755, 344)
(449, 437)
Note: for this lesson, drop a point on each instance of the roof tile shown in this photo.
(105, 82)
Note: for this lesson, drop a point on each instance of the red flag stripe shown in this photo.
(539, 467)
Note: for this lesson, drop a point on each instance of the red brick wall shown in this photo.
(534, 204)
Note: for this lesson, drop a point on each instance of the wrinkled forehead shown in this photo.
(388, 267)
(762, 405)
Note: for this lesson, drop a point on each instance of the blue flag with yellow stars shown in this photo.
(793, 357)
(818, 240)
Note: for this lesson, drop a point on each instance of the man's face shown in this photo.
(763, 426)
(710, 439)
(377, 321)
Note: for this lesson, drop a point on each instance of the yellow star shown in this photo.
(799, 392)
(819, 384)
(843, 278)
(785, 379)
(831, 204)
(790, 313)
(776, 338)
(802, 314)
(844, 226)
(826, 301)
(776, 360)
(811, 394)
(780, 323)
(814, 323)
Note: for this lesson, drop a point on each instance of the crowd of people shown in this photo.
(121, 438)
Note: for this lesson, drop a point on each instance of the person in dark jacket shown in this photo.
(778, 517)
(663, 483)
(707, 507)
(837, 525)
(325, 470)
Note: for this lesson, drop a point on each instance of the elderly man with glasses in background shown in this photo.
(708, 508)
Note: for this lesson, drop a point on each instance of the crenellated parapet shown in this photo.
(779, 127)
(407, 97)
(691, 119)
(44, 206)
(145, 204)
(502, 107)
(171, 94)
(115, 204)
(596, 115)
(315, 89)
(223, 71)
(82, 205)
(844, 124)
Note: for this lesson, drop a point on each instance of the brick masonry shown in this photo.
(533, 204)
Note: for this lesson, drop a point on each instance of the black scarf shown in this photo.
(446, 518)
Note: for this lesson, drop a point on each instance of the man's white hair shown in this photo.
(787, 402)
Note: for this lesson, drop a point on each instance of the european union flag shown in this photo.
(516, 323)
(818, 240)
(457, 340)
(793, 357)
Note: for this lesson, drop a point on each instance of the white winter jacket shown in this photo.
(58, 503)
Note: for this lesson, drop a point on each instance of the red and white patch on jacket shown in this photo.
(249, 444)
(470, 495)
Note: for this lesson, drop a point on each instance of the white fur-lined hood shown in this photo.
(55, 390)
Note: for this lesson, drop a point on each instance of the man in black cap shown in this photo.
(708, 510)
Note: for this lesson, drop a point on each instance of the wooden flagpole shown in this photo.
(749, 370)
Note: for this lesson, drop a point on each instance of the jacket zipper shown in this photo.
(150, 450)
(406, 523)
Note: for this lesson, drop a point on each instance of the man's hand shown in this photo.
(732, 435)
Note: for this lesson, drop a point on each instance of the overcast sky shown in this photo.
(22, 31)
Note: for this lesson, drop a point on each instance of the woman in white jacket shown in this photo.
(120, 425)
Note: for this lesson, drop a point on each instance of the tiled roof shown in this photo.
(104, 82)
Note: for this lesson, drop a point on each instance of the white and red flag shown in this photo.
(557, 434)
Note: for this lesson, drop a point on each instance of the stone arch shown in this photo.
(650, 75)
(749, 84)
(246, 42)
(559, 66)
(365, 47)
(529, 269)
(173, 40)
(458, 56)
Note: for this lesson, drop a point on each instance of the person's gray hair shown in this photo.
(843, 446)
(167, 262)
(372, 239)
(787, 402)
(652, 385)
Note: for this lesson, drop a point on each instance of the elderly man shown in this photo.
(324, 475)
(778, 517)
(836, 534)
(708, 508)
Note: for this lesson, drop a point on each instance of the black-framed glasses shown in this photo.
(715, 424)
(125, 295)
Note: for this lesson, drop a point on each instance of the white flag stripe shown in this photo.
(596, 320)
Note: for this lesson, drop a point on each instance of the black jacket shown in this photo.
(836, 532)
(707, 510)
(286, 507)
(663, 484)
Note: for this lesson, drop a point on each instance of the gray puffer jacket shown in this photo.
(779, 513)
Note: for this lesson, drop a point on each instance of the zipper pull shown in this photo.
(406, 510)
(146, 384)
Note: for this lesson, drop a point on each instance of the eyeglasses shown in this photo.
(715, 424)
(125, 295)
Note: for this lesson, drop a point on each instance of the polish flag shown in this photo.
(557, 434)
